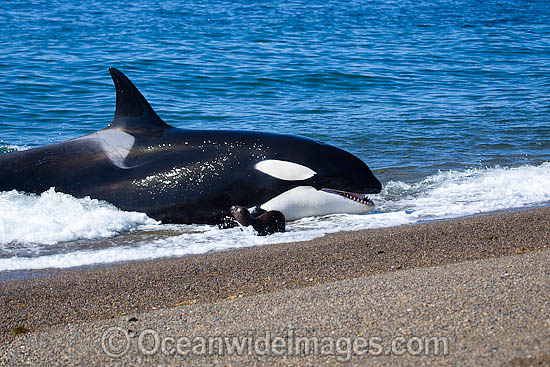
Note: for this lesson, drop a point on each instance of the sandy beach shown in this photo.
(479, 284)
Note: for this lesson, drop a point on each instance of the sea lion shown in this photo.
(268, 223)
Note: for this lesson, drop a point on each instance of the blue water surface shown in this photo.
(411, 87)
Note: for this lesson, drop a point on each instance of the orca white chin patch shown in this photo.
(285, 170)
(306, 201)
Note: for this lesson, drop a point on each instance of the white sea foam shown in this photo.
(443, 195)
(55, 217)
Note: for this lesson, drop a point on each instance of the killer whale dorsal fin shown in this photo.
(133, 112)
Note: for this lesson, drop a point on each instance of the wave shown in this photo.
(461, 193)
(26, 220)
(54, 217)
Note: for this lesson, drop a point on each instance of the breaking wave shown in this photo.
(45, 231)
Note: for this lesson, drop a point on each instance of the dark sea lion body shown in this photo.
(268, 223)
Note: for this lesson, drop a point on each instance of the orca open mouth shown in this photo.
(359, 198)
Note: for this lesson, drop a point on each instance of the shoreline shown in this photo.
(481, 271)
(86, 297)
(24, 274)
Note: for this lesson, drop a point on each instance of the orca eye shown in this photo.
(285, 170)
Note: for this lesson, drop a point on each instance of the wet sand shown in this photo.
(486, 276)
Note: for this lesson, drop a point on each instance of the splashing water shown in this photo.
(58, 230)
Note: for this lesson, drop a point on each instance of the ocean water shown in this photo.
(447, 101)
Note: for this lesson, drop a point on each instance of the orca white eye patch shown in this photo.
(285, 170)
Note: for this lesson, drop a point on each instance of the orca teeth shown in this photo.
(359, 198)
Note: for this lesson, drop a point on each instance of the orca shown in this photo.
(140, 163)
